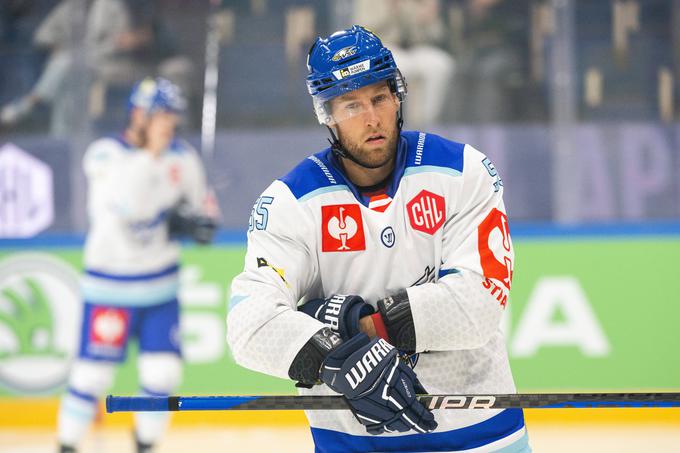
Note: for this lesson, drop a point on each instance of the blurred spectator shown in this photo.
(18, 20)
(124, 41)
(491, 60)
(129, 40)
(414, 31)
(55, 34)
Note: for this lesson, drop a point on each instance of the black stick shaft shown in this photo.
(290, 402)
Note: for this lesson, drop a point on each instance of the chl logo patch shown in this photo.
(342, 229)
(427, 212)
(109, 326)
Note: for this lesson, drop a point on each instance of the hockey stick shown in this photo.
(210, 81)
(291, 402)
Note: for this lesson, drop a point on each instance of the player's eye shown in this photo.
(380, 99)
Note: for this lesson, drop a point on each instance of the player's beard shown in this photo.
(138, 136)
(143, 137)
(376, 157)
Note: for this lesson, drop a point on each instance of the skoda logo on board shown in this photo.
(39, 322)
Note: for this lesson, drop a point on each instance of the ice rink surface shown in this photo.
(564, 431)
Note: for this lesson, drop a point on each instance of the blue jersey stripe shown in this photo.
(148, 392)
(134, 277)
(480, 434)
(445, 272)
(83, 396)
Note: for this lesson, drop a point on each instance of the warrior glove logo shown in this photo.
(333, 311)
(342, 228)
(368, 361)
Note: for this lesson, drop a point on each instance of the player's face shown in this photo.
(366, 123)
(160, 129)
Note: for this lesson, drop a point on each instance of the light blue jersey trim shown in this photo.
(235, 300)
(138, 297)
(432, 169)
(71, 405)
(77, 412)
(322, 190)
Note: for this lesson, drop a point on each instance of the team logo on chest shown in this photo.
(427, 212)
(342, 229)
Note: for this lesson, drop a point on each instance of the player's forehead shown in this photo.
(161, 114)
(363, 92)
(164, 115)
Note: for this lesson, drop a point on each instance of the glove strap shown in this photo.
(396, 314)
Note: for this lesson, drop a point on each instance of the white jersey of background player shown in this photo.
(142, 186)
(414, 224)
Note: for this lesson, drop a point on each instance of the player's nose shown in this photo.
(371, 117)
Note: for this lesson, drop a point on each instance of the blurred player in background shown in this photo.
(147, 189)
(397, 244)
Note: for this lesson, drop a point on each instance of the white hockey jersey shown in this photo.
(129, 258)
(440, 230)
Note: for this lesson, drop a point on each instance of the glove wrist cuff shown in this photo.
(396, 314)
(306, 366)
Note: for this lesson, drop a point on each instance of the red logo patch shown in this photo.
(109, 326)
(174, 174)
(427, 212)
(497, 266)
(342, 229)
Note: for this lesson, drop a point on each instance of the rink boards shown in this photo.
(587, 313)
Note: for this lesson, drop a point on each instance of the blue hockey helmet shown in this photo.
(157, 94)
(345, 61)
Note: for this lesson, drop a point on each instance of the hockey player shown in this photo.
(387, 244)
(146, 189)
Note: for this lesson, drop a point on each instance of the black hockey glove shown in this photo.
(378, 386)
(340, 313)
(183, 223)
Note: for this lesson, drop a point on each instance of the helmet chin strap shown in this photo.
(340, 151)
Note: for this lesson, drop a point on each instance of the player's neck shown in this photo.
(134, 137)
(366, 177)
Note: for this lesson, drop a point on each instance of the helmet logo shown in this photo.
(344, 53)
(352, 70)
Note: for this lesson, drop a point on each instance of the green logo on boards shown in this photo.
(39, 314)
(29, 319)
